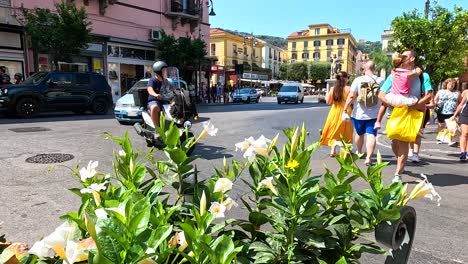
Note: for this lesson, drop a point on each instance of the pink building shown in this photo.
(124, 32)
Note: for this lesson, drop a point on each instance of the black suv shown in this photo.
(57, 91)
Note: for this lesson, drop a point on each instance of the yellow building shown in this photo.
(321, 42)
(227, 49)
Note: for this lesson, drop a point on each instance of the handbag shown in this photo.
(404, 124)
(439, 107)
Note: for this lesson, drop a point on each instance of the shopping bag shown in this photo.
(452, 127)
(404, 124)
(444, 136)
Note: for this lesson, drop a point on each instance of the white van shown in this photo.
(291, 92)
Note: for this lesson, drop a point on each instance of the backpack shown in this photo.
(369, 93)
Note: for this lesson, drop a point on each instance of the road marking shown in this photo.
(422, 155)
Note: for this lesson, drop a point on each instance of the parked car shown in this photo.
(245, 95)
(57, 91)
(126, 111)
(291, 92)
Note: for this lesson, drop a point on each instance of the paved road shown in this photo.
(32, 198)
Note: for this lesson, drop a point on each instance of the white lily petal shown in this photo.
(72, 252)
(223, 185)
(41, 250)
(217, 209)
(122, 153)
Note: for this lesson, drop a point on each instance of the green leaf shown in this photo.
(176, 155)
(172, 136)
(342, 260)
(140, 216)
(258, 218)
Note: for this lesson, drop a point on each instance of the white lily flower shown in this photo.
(229, 203)
(249, 154)
(61, 235)
(41, 250)
(150, 251)
(100, 213)
(223, 185)
(261, 142)
(242, 145)
(268, 182)
(217, 209)
(72, 252)
(89, 171)
(94, 187)
(122, 153)
(424, 189)
(210, 128)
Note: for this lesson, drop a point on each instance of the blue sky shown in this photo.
(366, 18)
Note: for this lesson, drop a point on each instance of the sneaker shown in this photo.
(410, 153)
(396, 178)
(439, 141)
(415, 158)
(377, 126)
(463, 156)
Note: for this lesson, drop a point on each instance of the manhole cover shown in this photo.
(50, 158)
(29, 129)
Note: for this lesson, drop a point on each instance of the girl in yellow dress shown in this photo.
(337, 126)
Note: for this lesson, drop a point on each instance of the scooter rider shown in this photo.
(155, 87)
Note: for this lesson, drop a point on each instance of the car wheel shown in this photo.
(302, 101)
(297, 101)
(100, 106)
(27, 107)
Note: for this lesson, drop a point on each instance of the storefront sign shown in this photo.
(255, 76)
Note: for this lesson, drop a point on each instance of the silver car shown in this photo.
(245, 95)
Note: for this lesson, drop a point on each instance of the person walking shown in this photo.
(364, 96)
(447, 100)
(462, 110)
(423, 91)
(335, 127)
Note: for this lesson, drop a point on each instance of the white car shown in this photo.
(291, 92)
(126, 111)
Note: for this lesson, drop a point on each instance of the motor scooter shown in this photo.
(178, 108)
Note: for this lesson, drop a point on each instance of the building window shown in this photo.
(317, 43)
(329, 42)
(234, 49)
(213, 49)
(254, 56)
(340, 54)
(294, 45)
(317, 31)
(329, 54)
(269, 53)
(341, 41)
(305, 55)
(294, 56)
(316, 56)
(306, 44)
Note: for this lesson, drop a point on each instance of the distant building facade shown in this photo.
(272, 58)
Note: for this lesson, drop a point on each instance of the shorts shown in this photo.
(364, 126)
(155, 102)
(441, 117)
(463, 120)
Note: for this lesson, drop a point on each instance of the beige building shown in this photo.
(321, 42)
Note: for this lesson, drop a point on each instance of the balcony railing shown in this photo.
(190, 10)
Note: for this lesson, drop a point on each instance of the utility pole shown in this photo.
(427, 6)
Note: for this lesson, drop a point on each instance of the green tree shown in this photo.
(295, 71)
(283, 71)
(61, 34)
(381, 60)
(439, 39)
(181, 52)
(319, 71)
(369, 46)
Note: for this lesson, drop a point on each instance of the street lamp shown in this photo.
(212, 13)
(252, 43)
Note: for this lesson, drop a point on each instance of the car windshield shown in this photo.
(244, 91)
(36, 78)
(138, 85)
(288, 89)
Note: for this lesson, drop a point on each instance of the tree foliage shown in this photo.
(381, 60)
(61, 34)
(440, 39)
(319, 71)
(181, 52)
(301, 71)
(369, 46)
